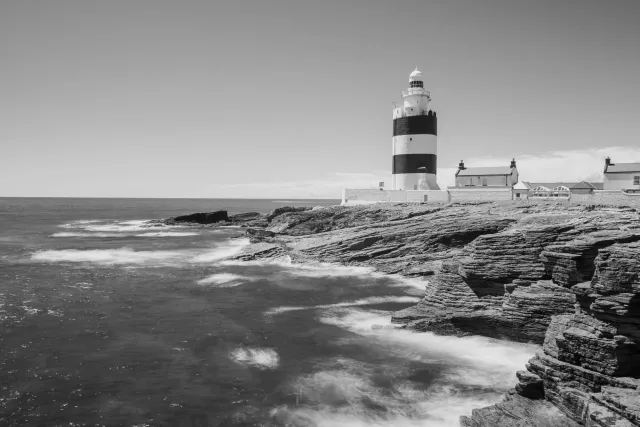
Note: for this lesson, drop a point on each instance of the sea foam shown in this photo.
(263, 358)
(124, 256)
(224, 280)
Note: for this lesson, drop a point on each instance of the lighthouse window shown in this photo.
(415, 84)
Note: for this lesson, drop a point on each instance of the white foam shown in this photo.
(106, 256)
(123, 256)
(79, 223)
(222, 251)
(359, 302)
(80, 234)
(324, 270)
(493, 355)
(112, 226)
(476, 372)
(224, 279)
(168, 234)
(263, 358)
(150, 234)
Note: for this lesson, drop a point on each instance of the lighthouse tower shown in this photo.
(415, 141)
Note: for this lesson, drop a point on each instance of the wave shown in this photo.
(151, 234)
(328, 270)
(123, 256)
(222, 251)
(80, 234)
(466, 351)
(263, 358)
(112, 226)
(106, 256)
(168, 234)
(359, 302)
(224, 279)
(464, 373)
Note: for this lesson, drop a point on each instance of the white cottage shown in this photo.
(495, 176)
(621, 176)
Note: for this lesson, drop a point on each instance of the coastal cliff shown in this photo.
(565, 277)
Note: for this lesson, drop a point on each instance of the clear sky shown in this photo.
(292, 98)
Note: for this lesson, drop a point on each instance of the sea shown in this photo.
(105, 321)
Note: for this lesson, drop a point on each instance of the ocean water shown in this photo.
(107, 322)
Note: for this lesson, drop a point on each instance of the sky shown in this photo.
(293, 98)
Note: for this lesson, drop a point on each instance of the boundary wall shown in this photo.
(480, 194)
(596, 197)
(352, 197)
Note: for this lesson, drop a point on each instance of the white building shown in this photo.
(495, 176)
(621, 176)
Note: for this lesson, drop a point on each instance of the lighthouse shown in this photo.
(415, 140)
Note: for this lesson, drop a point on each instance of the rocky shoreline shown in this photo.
(566, 277)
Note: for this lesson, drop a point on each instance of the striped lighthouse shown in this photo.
(415, 141)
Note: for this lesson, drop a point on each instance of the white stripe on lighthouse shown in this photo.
(415, 144)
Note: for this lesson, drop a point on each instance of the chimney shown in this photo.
(607, 163)
(461, 165)
(513, 163)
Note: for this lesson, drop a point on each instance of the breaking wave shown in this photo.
(327, 270)
(151, 234)
(123, 256)
(263, 358)
(224, 279)
(359, 302)
(473, 372)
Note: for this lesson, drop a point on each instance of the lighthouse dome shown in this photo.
(416, 75)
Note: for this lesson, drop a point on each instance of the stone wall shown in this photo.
(479, 194)
(352, 197)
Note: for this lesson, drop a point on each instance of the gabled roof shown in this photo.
(598, 185)
(521, 186)
(622, 167)
(583, 184)
(493, 170)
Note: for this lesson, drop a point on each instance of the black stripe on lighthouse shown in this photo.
(410, 163)
(415, 125)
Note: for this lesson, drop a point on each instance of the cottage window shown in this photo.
(484, 182)
(636, 180)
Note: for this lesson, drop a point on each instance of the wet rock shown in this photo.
(202, 217)
(518, 411)
(257, 235)
(530, 385)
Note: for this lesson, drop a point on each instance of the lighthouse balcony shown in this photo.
(401, 112)
(416, 91)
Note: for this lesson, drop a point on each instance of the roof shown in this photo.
(570, 185)
(494, 170)
(622, 167)
(416, 74)
(598, 185)
(521, 186)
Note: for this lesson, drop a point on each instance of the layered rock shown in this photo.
(564, 277)
(590, 364)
